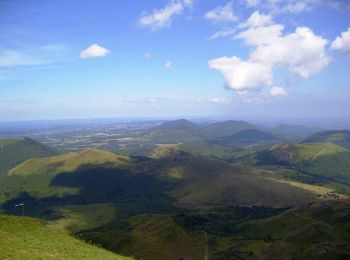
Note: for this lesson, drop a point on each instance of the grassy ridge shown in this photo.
(26, 238)
(14, 151)
(152, 237)
(339, 137)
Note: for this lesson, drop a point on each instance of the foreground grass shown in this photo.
(27, 238)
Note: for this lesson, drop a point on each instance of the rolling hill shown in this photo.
(248, 137)
(126, 204)
(151, 236)
(339, 137)
(290, 153)
(14, 151)
(188, 181)
(311, 231)
(226, 128)
(27, 238)
(316, 231)
(178, 131)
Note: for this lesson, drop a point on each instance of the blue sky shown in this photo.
(174, 58)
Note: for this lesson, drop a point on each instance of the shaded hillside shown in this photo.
(189, 181)
(152, 237)
(312, 231)
(14, 151)
(317, 231)
(339, 137)
(26, 238)
(226, 128)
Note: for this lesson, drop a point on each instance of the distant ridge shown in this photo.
(247, 137)
(226, 128)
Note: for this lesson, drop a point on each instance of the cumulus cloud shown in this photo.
(261, 35)
(277, 91)
(257, 19)
(221, 14)
(301, 53)
(254, 22)
(342, 42)
(93, 51)
(160, 18)
(169, 65)
(242, 75)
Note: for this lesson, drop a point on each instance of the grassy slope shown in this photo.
(318, 231)
(290, 153)
(26, 238)
(76, 218)
(339, 137)
(14, 151)
(153, 237)
(35, 175)
(201, 182)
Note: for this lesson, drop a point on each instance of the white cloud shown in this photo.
(297, 7)
(221, 14)
(342, 42)
(257, 19)
(261, 35)
(220, 100)
(256, 23)
(242, 75)
(162, 17)
(301, 53)
(277, 91)
(94, 50)
(286, 6)
(223, 33)
(169, 65)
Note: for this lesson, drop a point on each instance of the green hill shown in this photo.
(27, 238)
(152, 236)
(290, 153)
(98, 176)
(226, 128)
(312, 231)
(184, 131)
(14, 151)
(339, 137)
(316, 231)
(248, 137)
(178, 131)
